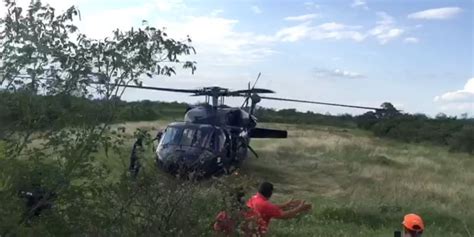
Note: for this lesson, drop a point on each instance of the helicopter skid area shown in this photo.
(208, 169)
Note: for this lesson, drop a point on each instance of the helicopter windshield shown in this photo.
(189, 136)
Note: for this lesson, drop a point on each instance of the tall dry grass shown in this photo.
(366, 184)
(360, 185)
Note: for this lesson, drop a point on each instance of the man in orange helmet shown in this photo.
(413, 225)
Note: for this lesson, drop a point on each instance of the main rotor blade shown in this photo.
(267, 133)
(155, 88)
(253, 90)
(320, 103)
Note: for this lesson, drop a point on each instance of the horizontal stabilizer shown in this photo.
(268, 133)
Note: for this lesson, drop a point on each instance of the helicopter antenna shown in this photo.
(254, 97)
(258, 77)
(249, 94)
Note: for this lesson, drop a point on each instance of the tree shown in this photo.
(441, 116)
(366, 120)
(463, 140)
(387, 111)
(43, 53)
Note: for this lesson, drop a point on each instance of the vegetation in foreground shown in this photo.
(360, 185)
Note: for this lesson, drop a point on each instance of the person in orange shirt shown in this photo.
(261, 208)
(413, 225)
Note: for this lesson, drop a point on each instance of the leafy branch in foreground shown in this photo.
(53, 146)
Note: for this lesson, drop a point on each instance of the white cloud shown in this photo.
(310, 5)
(336, 73)
(348, 74)
(222, 44)
(436, 13)
(385, 29)
(464, 95)
(460, 100)
(294, 33)
(96, 27)
(217, 12)
(338, 35)
(412, 40)
(168, 5)
(301, 17)
(459, 107)
(330, 30)
(331, 26)
(59, 5)
(256, 9)
(455, 96)
(334, 26)
(360, 4)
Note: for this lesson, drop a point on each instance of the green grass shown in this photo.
(359, 185)
(362, 186)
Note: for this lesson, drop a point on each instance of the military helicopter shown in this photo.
(214, 138)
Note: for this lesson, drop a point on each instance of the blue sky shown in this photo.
(417, 54)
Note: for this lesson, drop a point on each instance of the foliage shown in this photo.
(55, 122)
(294, 117)
(463, 140)
(361, 185)
(419, 128)
(50, 133)
(442, 130)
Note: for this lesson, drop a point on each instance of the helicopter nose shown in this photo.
(176, 160)
(200, 161)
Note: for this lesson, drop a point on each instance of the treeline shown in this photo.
(294, 117)
(68, 109)
(147, 110)
(456, 133)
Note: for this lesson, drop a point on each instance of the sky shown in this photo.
(416, 54)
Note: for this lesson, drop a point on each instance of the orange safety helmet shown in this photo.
(413, 222)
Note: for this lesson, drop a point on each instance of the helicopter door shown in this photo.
(217, 141)
(234, 118)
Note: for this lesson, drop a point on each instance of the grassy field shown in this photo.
(359, 185)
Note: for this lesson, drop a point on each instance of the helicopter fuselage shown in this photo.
(203, 149)
(215, 137)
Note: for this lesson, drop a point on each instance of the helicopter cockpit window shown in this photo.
(171, 136)
(189, 136)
